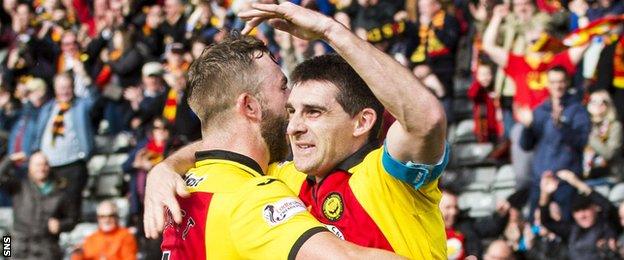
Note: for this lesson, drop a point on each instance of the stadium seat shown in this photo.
(103, 144)
(461, 87)
(505, 177)
(616, 195)
(88, 209)
(479, 204)
(503, 193)
(122, 142)
(96, 163)
(68, 240)
(6, 218)
(114, 162)
(464, 132)
(108, 184)
(470, 154)
(123, 209)
(480, 179)
(602, 189)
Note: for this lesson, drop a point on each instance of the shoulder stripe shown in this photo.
(227, 155)
(302, 239)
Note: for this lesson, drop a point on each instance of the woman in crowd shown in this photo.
(603, 155)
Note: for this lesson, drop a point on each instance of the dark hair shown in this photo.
(221, 73)
(353, 93)
(449, 190)
(485, 60)
(558, 69)
(580, 202)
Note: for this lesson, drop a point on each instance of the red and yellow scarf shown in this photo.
(618, 64)
(58, 123)
(429, 44)
(171, 105)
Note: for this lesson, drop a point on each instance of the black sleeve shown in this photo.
(472, 240)
(8, 181)
(491, 226)
(302, 239)
(95, 47)
(449, 34)
(604, 79)
(609, 212)
(68, 216)
(560, 228)
(527, 139)
(411, 38)
(93, 52)
(44, 48)
(126, 63)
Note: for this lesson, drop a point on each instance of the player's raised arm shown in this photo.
(418, 134)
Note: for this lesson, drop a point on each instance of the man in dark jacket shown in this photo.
(557, 130)
(40, 212)
(590, 236)
(172, 104)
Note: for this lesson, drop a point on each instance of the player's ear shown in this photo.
(364, 121)
(249, 106)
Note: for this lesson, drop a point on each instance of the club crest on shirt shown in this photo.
(333, 207)
(278, 212)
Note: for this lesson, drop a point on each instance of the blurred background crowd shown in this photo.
(92, 96)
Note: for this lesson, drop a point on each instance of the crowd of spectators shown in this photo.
(74, 70)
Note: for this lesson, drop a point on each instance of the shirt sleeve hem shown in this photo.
(302, 239)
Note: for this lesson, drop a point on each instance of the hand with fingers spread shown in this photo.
(548, 185)
(162, 186)
(296, 20)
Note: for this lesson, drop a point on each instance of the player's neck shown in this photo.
(241, 142)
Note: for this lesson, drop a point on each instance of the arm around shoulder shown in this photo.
(325, 245)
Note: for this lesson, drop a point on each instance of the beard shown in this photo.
(273, 130)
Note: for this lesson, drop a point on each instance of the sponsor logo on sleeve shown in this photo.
(193, 181)
(279, 212)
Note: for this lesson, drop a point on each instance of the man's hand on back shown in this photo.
(162, 186)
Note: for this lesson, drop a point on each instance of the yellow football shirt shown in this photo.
(234, 212)
(363, 203)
